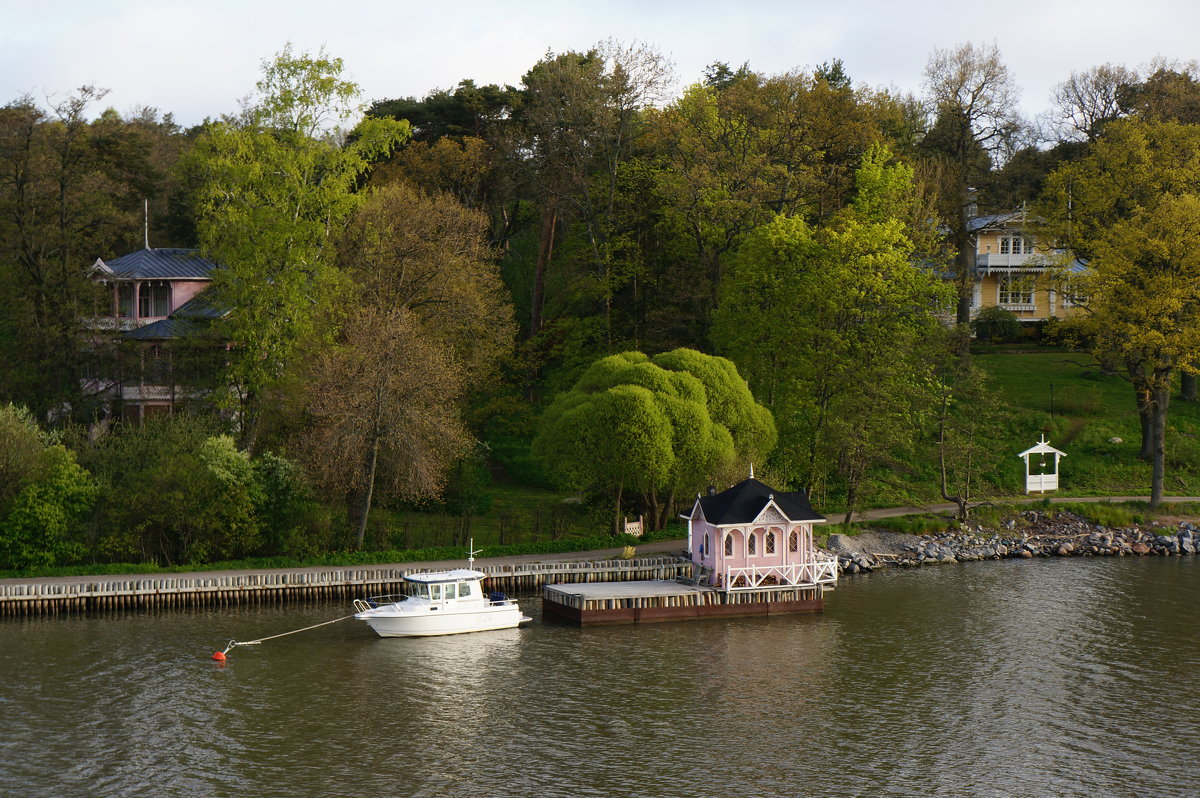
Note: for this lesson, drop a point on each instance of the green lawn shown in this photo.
(1081, 410)
(1080, 414)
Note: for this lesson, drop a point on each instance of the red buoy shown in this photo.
(219, 656)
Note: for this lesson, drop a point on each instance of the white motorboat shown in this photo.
(440, 603)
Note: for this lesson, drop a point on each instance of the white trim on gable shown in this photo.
(771, 514)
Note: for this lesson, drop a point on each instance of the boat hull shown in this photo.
(430, 624)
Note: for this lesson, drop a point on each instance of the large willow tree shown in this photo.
(657, 428)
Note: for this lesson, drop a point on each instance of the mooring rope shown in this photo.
(234, 643)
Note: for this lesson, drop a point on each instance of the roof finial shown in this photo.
(146, 221)
(751, 470)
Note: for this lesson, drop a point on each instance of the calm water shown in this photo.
(1055, 678)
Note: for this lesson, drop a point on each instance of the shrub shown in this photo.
(21, 444)
(42, 526)
(994, 323)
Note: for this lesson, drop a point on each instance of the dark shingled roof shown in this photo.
(161, 330)
(160, 264)
(742, 503)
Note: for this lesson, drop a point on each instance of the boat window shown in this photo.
(435, 592)
(464, 589)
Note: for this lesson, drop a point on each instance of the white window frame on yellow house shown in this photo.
(1071, 298)
(1015, 290)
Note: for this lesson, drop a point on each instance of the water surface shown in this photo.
(1064, 677)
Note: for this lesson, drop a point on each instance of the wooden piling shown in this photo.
(99, 594)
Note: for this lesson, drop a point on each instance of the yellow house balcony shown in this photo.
(986, 261)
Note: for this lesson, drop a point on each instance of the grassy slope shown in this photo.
(1089, 409)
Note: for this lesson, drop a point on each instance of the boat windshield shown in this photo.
(418, 589)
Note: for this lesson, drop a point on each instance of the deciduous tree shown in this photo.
(277, 181)
(646, 426)
(974, 100)
(828, 326)
(1131, 209)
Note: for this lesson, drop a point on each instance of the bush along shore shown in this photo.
(1031, 534)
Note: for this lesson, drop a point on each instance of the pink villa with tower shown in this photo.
(152, 297)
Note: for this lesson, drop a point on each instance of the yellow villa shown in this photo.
(1018, 273)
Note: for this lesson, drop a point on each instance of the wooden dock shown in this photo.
(657, 600)
(276, 587)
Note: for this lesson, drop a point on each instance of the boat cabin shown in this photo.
(441, 586)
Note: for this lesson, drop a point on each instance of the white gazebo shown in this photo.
(1046, 476)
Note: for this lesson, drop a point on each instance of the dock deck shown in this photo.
(597, 603)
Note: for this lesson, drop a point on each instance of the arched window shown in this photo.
(705, 549)
(769, 543)
(750, 544)
(794, 541)
(729, 545)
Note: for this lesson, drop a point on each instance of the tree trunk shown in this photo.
(1161, 398)
(652, 501)
(364, 507)
(545, 251)
(617, 515)
(1146, 418)
(1187, 386)
(964, 273)
(668, 510)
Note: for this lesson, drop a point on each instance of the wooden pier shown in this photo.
(656, 601)
(277, 587)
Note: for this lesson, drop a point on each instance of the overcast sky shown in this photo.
(197, 58)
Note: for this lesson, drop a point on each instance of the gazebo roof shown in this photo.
(1043, 447)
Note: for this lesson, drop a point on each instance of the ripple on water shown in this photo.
(1066, 677)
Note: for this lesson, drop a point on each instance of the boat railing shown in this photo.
(375, 602)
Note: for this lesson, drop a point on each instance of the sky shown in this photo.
(197, 59)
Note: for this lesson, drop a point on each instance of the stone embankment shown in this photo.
(1032, 534)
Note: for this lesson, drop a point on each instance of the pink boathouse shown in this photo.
(751, 551)
(752, 536)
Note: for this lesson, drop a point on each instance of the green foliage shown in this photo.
(995, 323)
(43, 523)
(830, 326)
(649, 426)
(911, 524)
(1107, 514)
(286, 507)
(21, 444)
(171, 491)
(275, 183)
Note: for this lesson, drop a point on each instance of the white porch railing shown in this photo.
(1041, 482)
(821, 571)
(1026, 260)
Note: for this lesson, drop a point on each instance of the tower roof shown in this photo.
(159, 264)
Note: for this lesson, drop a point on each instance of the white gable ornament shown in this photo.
(770, 515)
(1041, 466)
